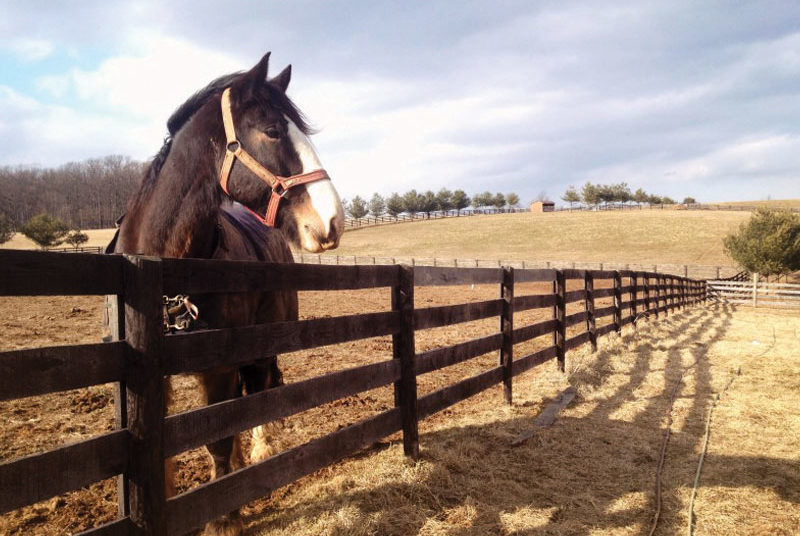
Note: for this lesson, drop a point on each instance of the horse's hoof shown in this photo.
(227, 525)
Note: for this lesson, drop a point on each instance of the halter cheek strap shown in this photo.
(279, 185)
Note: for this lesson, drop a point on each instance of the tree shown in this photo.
(666, 200)
(499, 200)
(512, 199)
(483, 199)
(394, 205)
(429, 203)
(767, 244)
(460, 200)
(571, 196)
(377, 205)
(654, 200)
(444, 198)
(45, 230)
(640, 196)
(590, 194)
(6, 228)
(358, 207)
(412, 202)
(75, 238)
(689, 201)
(621, 193)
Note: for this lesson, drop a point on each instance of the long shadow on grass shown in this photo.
(581, 475)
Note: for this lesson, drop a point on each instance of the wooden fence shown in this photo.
(143, 355)
(755, 292)
(387, 219)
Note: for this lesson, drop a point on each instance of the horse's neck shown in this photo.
(178, 218)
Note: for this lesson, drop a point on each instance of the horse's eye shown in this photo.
(273, 132)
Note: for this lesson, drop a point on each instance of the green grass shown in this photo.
(658, 236)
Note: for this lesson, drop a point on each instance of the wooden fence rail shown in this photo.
(134, 452)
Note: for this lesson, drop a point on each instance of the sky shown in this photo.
(692, 98)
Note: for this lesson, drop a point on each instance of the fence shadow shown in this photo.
(587, 472)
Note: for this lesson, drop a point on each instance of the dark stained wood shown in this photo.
(200, 350)
(575, 295)
(506, 357)
(452, 394)
(602, 274)
(560, 312)
(526, 333)
(115, 309)
(646, 290)
(573, 273)
(617, 301)
(634, 292)
(575, 318)
(403, 351)
(218, 497)
(577, 340)
(608, 328)
(627, 320)
(42, 273)
(457, 353)
(591, 326)
(534, 276)
(191, 276)
(119, 527)
(447, 315)
(427, 276)
(41, 476)
(145, 393)
(603, 311)
(603, 292)
(38, 371)
(190, 429)
(536, 358)
(534, 301)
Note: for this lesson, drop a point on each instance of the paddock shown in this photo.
(377, 502)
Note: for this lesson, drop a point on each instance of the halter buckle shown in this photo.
(280, 190)
(233, 146)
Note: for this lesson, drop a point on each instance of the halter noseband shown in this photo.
(279, 185)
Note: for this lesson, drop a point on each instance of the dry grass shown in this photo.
(97, 238)
(593, 471)
(772, 203)
(647, 236)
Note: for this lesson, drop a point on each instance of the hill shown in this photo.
(662, 236)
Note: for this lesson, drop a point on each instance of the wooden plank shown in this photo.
(591, 326)
(534, 275)
(200, 350)
(547, 417)
(506, 357)
(427, 276)
(602, 274)
(534, 301)
(190, 429)
(403, 352)
(575, 295)
(577, 340)
(192, 509)
(575, 318)
(38, 371)
(433, 317)
(603, 311)
(618, 300)
(457, 353)
(43, 273)
(573, 273)
(119, 527)
(536, 358)
(40, 476)
(146, 400)
(560, 333)
(603, 292)
(608, 328)
(534, 330)
(452, 394)
(193, 276)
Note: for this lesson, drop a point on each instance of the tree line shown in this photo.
(596, 194)
(412, 202)
(85, 195)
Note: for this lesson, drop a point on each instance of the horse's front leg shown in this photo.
(263, 374)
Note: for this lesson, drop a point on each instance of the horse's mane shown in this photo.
(185, 111)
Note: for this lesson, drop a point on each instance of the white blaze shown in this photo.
(324, 197)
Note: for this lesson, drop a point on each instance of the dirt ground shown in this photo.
(593, 472)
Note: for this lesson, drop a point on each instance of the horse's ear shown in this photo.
(282, 80)
(258, 74)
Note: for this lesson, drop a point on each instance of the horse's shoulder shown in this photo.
(243, 236)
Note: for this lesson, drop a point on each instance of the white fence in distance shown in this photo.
(755, 292)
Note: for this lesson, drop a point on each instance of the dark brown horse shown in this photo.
(202, 198)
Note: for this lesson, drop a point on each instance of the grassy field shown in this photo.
(771, 203)
(97, 238)
(662, 236)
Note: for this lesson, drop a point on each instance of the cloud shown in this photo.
(28, 49)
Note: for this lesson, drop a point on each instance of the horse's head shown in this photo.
(286, 182)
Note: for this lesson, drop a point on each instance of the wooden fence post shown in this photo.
(145, 393)
(634, 295)
(646, 292)
(115, 311)
(755, 290)
(405, 389)
(591, 326)
(560, 313)
(617, 301)
(507, 329)
(657, 294)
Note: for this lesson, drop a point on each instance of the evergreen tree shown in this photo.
(590, 194)
(412, 202)
(767, 244)
(76, 238)
(512, 199)
(641, 196)
(357, 208)
(571, 196)
(377, 205)
(460, 200)
(45, 230)
(394, 205)
(429, 203)
(444, 198)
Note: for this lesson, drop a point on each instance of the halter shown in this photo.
(279, 185)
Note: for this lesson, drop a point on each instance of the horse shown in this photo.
(237, 178)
